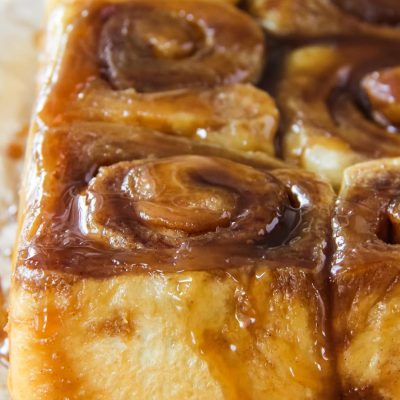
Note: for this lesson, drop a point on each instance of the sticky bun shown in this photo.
(365, 280)
(174, 276)
(178, 234)
(162, 252)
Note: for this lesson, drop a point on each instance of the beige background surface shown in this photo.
(19, 26)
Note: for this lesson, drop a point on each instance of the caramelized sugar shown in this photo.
(64, 229)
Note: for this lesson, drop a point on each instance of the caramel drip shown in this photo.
(16, 148)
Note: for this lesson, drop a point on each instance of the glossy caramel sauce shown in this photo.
(65, 224)
(65, 239)
(352, 112)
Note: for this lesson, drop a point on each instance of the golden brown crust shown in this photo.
(209, 116)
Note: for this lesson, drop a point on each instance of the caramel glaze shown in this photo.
(90, 181)
(70, 157)
(92, 49)
(173, 47)
(365, 277)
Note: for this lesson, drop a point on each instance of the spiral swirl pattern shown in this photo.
(152, 48)
(342, 107)
(182, 68)
(188, 198)
(116, 195)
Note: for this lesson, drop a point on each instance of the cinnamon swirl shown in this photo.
(340, 105)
